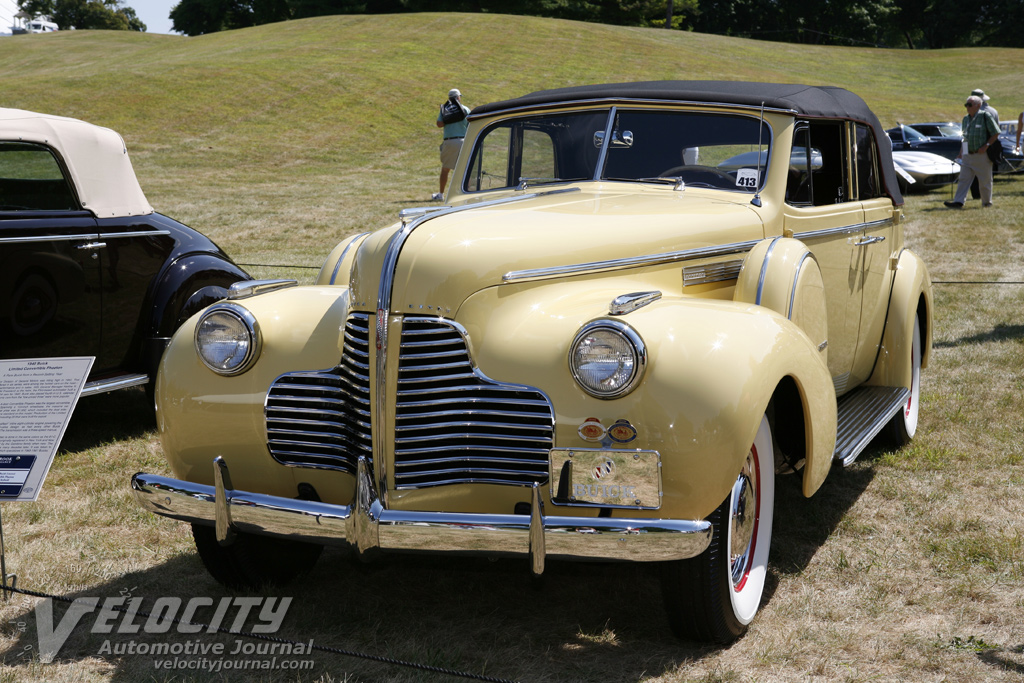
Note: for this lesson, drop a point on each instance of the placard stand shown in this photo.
(37, 397)
(4, 576)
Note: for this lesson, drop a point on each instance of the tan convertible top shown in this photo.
(95, 157)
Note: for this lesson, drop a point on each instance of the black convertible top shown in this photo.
(809, 101)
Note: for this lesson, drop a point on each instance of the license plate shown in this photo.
(606, 478)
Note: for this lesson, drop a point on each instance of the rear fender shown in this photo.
(911, 295)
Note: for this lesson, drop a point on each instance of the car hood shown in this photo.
(453, 253)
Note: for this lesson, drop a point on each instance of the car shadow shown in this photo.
(115, 415)
(1001, 332)
(579, 622)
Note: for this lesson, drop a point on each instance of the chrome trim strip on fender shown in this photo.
(366, 526)
(358, 239)
(250, 288)
(49, 238)
(633, 262)
(796, 277)
(764, 271)
(387, 279)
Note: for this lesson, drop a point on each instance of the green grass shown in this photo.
(278, 141)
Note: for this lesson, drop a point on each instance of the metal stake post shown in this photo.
(3, 564)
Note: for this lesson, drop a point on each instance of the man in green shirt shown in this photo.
(454, 133)
(980, 132)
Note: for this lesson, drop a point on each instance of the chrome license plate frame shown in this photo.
(602, 477)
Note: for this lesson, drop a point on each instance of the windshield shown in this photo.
(692, 148)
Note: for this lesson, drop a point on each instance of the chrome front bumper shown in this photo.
(367, 527)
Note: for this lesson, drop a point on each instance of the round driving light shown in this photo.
(227, 339)
(607, 358)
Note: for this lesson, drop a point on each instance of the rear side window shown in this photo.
(31, 179)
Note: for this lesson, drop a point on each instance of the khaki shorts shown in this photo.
(450, 152)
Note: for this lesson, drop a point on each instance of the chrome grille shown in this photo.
(322, 419)
(453, 425)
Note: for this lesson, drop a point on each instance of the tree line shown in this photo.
(911, 24)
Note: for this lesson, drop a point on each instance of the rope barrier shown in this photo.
(284, 641)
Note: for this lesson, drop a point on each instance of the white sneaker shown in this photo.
(437, 196)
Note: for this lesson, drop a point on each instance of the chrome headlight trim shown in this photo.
(240, 363)
(633, 342)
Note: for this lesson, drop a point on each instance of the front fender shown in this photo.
(712, 369)
(336, 268)
(201, 414)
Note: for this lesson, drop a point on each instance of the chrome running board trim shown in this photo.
(102, 386)
(862, 414)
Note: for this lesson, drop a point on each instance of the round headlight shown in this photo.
(228, 339)
(607, 358)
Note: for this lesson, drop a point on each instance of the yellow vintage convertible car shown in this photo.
(639, 304)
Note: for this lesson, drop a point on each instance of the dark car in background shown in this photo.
(87, 268)
(915, 137)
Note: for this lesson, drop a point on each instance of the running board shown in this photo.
(863, 413)
(101, 386)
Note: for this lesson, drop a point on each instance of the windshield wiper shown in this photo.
(529, 182)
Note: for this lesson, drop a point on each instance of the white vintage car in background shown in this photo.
(641, 304)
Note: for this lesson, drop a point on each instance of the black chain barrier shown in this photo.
(284, 641)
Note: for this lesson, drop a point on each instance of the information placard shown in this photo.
(37, 397)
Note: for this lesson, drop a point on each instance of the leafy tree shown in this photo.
(86, 14)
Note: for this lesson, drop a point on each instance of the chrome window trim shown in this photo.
(617, 101)
(632, 262)
(603, 156)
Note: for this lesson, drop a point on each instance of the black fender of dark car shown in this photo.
(196, 274)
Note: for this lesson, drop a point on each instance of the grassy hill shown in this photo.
(276, 140)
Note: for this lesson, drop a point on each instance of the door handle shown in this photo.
(91, 246)
(864, 241)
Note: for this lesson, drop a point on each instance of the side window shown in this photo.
(829, 177)
(798, 186)
(490, 167)
(867, 163)
(32, 180)
(538, 155)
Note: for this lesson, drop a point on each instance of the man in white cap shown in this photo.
(985, 106)
(980, 132)
(452, 118)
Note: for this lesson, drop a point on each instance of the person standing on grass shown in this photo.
(985, 107)
(452, 118)
(1020, 126)
(980, 132)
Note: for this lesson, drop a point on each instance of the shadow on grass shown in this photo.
(1003, 660)
(103, 418)
(580, 622)
(1000, 332)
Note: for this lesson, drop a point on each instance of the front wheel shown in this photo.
(714, 596)
(253, 561)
